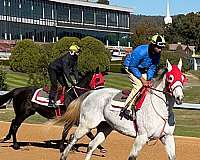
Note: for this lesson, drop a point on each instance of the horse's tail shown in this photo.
(72, 114)
(7, 97)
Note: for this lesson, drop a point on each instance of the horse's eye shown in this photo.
(171, 79)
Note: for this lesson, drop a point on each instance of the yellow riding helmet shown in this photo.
(74, 48)
(158, 40)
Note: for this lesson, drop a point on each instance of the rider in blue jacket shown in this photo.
(141, 64)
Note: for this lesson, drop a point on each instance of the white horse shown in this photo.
(152, 119)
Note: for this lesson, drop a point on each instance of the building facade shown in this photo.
(50, 20)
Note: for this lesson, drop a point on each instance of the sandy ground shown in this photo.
(34, 147)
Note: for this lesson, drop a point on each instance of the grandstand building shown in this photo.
(50, 20)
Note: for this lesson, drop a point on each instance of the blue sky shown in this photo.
(158, 7)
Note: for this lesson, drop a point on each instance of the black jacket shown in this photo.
(67, 64)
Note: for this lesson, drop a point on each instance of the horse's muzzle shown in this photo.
(179, 100)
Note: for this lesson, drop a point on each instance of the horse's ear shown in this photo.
(168, 65)
(180, 63)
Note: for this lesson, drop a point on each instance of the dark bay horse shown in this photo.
(24, 107)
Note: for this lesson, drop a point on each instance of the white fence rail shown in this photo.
(182, 106)
(188, 106)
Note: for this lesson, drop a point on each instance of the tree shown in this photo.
(93, 54)
(3, 85)
(185, 29)
(62, 46)
(24, 57)
(103, 2)
(40, 76)
(173, 58)
(143, 28)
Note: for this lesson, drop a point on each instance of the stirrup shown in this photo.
(51, 104)
(126, 114)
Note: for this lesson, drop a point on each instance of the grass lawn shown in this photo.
(15, 80)
(187, 122)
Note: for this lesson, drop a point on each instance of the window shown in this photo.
(2, 29)
(112, 18)
(48, 11)
(1, 7)
(62, 12)
(76, 14)
(123, 20)
(26, 8)
(14, 8)
(101, 17)
(37, 9)
(6, 8)
(88, 15)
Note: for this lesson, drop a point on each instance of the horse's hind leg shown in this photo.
(140, 141)
(100, 147)
(169, 143)
(103, 130)
(17, 123)
(64, 135)
(8, 136)
(79, 133)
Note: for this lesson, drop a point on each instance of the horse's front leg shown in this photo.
(140, 141)
(168, 141)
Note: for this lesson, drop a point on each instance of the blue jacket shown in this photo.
(140, 61)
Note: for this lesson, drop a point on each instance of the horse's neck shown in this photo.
(84, 82)
(155, 102)
(169, 99)
(160, 85)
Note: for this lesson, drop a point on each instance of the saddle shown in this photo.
(41, 97)
(118, 102)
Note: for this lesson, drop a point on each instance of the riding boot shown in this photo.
(51, 104)
(52, 97)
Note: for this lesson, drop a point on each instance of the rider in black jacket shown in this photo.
(60, 70)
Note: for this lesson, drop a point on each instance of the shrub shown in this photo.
(24, 57)
(173, 58)
(3, 85)
(93, 55)
(62, 46)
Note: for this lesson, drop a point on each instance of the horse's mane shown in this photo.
(85, 79)
(159, 77)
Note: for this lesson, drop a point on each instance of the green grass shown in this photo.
(192, 94)
(8, 115)
(187, 122)
(15, 80)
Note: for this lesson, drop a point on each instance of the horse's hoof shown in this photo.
(62, 148)
(5, 139)
(103, 150)
(16, 146)
(48, 143)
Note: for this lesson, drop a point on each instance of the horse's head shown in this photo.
(91, 80)
(175, 80)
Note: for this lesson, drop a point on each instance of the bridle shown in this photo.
(169, 89)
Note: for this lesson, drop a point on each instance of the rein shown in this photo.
(165, 120)
(76, 87)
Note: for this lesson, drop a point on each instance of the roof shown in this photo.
(95, 5)
(6, 45)
(173, 47)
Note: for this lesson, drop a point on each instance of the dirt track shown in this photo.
(33, 137)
